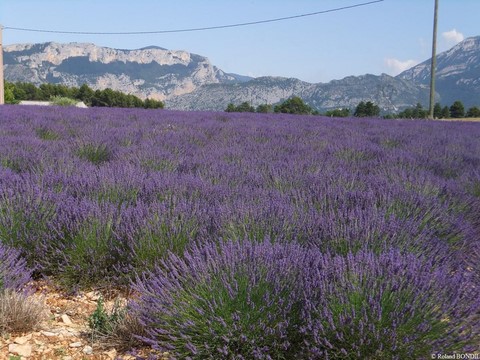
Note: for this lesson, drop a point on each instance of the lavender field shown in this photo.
(254, 236)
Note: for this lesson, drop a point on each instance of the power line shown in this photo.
(195, 29)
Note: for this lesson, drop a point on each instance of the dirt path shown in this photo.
(64, 333)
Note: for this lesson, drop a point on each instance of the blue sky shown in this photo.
(385, 37)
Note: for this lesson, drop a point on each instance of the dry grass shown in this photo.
(121, 335)
(19, 312)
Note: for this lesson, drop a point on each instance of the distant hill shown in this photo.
(389, 93)
(457, 76)
(189, 81)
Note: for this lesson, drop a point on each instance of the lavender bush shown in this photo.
(14, 274)
(270, 301)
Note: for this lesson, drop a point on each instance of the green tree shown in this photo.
(419, 112)
(245, 107)
(457, 110)
(445, 112)
(230, 108)
(294, 105)
(437, 111)
(473, 112)
(372, 109)
(26, 91)
(85, 94)
(360, 110)
(9, 96)
(406, 114)
(338, 113)
(366, 109)
(151, 103)
(264, 108)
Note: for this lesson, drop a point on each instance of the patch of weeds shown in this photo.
(60, 351)
(96, 154)
(47, 134)
(117, 195)
(391, 143)
(163, 165)
(474, 189)
(116, 328)
(223, 118)
(351, 155)
(12, 164)
(126, 142)
(101, 321)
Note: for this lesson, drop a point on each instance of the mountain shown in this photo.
(190, 82)
(149, 72)
(389, 93)
(457, 75)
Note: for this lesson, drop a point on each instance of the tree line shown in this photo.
(296, 105)
(293, 105)
(455, 111)
(16, 92)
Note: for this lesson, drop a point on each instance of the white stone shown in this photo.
(87, 350)
(48, 333)
(112, 354)
(22, 350)
(21, 340)
(75, 344)
(66, 319)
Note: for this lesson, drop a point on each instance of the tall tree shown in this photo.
(473, 112)
(457, 110)
(437, 111)
(366, 109)
(360, 110)
(445, 112)
(85, 94)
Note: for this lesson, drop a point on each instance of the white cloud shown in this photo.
(453, 37)
(397, 66)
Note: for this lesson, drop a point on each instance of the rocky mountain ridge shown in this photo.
(149, 72)
(189, 81)
(457, 76)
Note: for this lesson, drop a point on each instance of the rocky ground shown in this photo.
(64, 334)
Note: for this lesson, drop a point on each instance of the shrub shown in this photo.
(14, 274)
(391, 306)
(19, 312)
(294, 105)
(62, 101)
(215, 303)
(263, 301)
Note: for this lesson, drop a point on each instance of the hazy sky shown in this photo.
(385, 37)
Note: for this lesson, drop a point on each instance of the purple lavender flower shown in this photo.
(272, 300)
(14, 273)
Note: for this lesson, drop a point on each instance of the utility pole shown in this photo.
(2, 90)
(434, 62)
